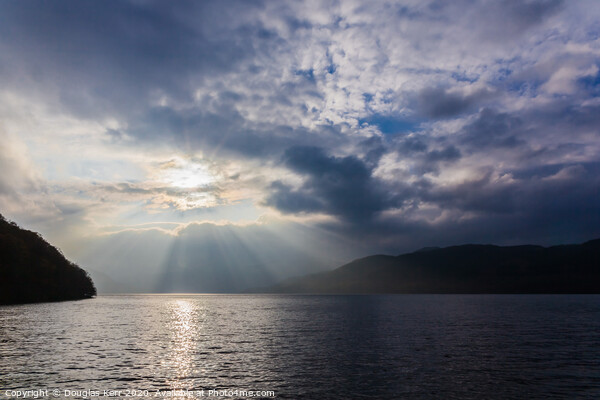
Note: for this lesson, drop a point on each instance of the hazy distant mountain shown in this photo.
(31, 270)
(463, 269)
(209, 258)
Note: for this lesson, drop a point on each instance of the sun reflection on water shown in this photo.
(184, 328)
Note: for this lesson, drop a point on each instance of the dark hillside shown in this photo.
(463, 269)
(32, 270)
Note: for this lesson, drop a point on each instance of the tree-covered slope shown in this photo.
(463, 269)
(32, 270)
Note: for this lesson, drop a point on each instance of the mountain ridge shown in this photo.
(469, 268)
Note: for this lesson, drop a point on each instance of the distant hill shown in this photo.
(463, 269)
(31, 270)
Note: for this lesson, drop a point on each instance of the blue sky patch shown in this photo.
(591, 83)
(389, 125)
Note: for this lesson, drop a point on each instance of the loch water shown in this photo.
(304, 347)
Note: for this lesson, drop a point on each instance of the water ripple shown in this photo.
(450, 347)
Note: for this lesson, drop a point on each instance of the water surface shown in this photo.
(314, 347)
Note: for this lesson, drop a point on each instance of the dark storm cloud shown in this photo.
(492, 129)
(532, 199)
(449, 153)
(109, 59)
(478, 195)
(563, 205)
(518, 193)
(424, 153)
(433, 161)
(560, 208)
(440, 103)
(559, 129)
(567, 115)
(341, 186)
(224, 132)
(413, 144)
(547, 170)
(374, 148)
(524, 14)
(508, 19)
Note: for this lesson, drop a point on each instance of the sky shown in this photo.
(213, 145)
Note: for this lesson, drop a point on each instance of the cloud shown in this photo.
(509, 18)
(112, 60)
(491, 129)
(411, 123)
(442, 103)
(13, 158)
(341, 186)
(556, 208)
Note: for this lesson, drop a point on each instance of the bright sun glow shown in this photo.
(185, 174)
